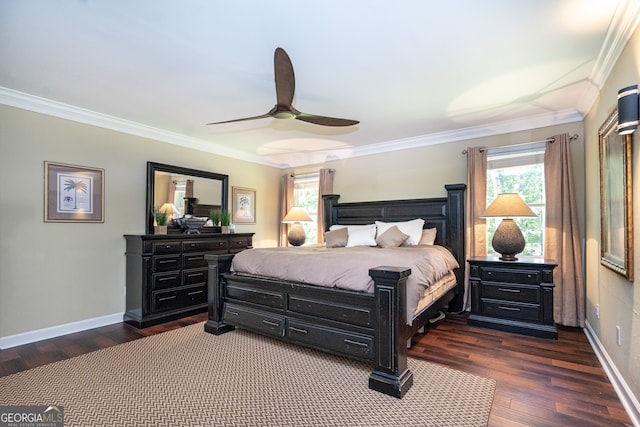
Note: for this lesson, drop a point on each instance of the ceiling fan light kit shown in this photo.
(285, 89)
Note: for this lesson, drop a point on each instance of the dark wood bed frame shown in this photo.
(359, 325)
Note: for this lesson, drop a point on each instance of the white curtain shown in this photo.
(325, 186)
(286, 203)
(475, 227)
(562, 234)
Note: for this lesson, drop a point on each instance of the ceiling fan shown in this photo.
(285, 88)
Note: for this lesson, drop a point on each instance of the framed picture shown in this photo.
(73, 193)
(616, 215)
(244, 205)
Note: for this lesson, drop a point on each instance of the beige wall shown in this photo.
(423, 172)
(57, 273)
(619, 299)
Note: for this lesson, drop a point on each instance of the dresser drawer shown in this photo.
(237, 244)
(166, 263)
(256, 320)
(193, 260)
(507, 310)
(166, 280)
(510, 292)
(511, 275)
(168, 247)
(340, 341)
(213, 245)
(190, 277)
(178, 298)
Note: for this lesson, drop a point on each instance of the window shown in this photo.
(305, 194)
(519, 169)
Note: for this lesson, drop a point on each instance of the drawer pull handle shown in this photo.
(515, 291)
(302, 331)
(196, 258)
(270, 323)
(195, 292)
(359, 344)
(508, 308)
(194, 274)
(164, 279)
(235, 313)
(167, 298)
(167, 261)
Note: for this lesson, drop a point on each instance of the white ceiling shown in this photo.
(413, 72)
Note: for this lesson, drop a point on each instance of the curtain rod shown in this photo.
(550, 140)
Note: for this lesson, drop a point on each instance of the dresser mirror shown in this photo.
(185, 191)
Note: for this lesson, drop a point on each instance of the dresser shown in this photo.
(167, 274)
(514, 296)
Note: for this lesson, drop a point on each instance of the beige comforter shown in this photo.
(348, 268)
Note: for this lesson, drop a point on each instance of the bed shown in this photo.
(373, 326)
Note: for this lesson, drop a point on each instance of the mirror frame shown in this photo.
(152, 167)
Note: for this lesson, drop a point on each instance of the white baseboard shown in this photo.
(56, 331)
(629, 401)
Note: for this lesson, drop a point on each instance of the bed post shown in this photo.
(456, 240)
(329, 216)
(218, 264)
(390, 373)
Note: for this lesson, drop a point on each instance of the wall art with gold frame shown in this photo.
(616, 198)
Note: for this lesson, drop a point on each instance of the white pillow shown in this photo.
(362, 237)
(413, 228)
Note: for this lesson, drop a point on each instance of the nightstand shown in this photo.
(514, 296)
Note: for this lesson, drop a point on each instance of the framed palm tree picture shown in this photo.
(73, 193)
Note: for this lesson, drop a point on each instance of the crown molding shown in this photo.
(489, 129)
(623, 24)
(41, 105)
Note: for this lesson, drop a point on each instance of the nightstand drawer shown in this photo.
(510, 292)
(503, 309)
(511, 275)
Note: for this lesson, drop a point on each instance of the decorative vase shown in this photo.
(225, 229)
(160, 229)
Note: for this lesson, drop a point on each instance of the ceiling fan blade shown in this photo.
(325, 121)
(285, 79)
(242, 120)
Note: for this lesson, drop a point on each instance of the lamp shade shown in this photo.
(628, 110)
(296, 214)
(508, 240)
(169, 209)
(508, 205)
(296, 235)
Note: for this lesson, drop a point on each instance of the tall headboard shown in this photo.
(446, 214)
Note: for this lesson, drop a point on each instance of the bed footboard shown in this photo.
(369, 327)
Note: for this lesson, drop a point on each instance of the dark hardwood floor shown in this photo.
(540, 382)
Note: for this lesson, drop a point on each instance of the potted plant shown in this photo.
(225, 220)
(160, 226)
(214, 215)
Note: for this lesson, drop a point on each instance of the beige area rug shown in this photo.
(187, 377)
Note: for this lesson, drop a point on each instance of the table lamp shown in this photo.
(296, 235)
(508, 240)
